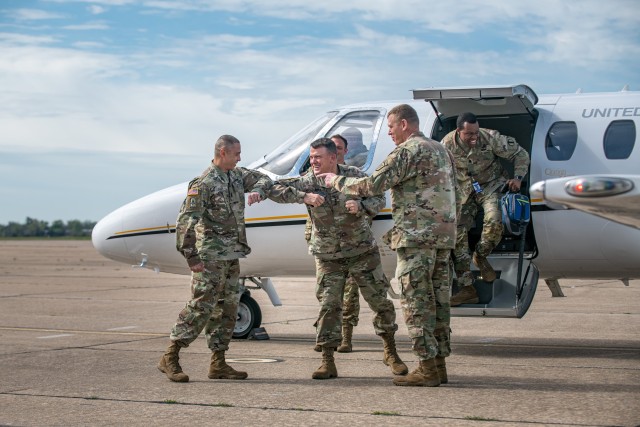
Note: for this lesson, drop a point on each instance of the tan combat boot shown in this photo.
(487, 272)
(466, 295)
(328, 368)
(442, 370)
(220, 370)
(425, 375)
(347, 334)
(317, 348)
(390, 356)
(170, 366)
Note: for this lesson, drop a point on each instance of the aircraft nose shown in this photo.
(105, 240)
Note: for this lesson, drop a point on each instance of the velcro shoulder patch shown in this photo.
(193, 191)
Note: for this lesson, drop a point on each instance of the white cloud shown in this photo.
(462, 16)
(265, 109)
(582, 34)
(96, 10)
(15, 39)
(99, 2)
(41, 67)
(65, 98)
(552, 31)
(89, 45)
(239, 84)
(174, 93)
(230, 41)
(32, 14)
(87, 26)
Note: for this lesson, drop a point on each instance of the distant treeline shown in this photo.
(58, 228)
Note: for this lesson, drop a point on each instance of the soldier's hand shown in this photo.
(313, 200)
(254, 197)
(198, 268)
(328, 178)
(353, 206)
(514, 184)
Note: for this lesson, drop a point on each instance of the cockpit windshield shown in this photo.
(360, 129)
(283, 158)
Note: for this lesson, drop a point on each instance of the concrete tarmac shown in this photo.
(80, 337)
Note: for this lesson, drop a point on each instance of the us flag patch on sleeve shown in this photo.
(193, 191)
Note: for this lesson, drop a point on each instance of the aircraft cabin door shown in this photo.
(504, 297)
(510, 110)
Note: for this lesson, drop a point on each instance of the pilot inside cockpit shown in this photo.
(358, 152)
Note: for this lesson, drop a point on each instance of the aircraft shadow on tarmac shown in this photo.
(552, 349)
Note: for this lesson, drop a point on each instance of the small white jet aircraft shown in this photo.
(582, 158)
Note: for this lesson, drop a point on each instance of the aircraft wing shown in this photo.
(614, 197)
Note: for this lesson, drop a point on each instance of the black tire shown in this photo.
(249, 317)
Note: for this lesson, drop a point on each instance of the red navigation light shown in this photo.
(596, 186)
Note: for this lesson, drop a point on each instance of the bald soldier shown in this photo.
(420, 174)
(480, 176)
(343, 245)
(211, 235)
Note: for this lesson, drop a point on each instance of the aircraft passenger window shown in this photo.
(284, 158)
(619, 139)
(561, 140)
(360, 129)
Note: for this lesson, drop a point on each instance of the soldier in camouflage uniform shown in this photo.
(480, 177)
(210, 233)
(351, 298)
(343, 245)
(420, 174)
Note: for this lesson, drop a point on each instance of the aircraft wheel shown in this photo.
(249, 317)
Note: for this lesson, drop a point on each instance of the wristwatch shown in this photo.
(518, 177)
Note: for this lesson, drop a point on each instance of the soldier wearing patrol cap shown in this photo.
(210, 233)
(343, 246)
(480, 177)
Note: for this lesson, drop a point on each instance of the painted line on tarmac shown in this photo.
(490, 340)
(55, 336)
(249, 360)
(281, 338)
(122, 328)
(72, 331)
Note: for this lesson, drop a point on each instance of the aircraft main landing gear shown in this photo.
(249, 316)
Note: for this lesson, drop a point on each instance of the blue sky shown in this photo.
(106, 101)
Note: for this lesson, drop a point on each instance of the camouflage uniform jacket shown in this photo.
(211, 221)
(336, 233)
(424, 202)
(481, 162)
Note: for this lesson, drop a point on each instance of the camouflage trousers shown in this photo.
(213, 306)
(367, 273)
(351, 303)
(425, 280)
(491, 232)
